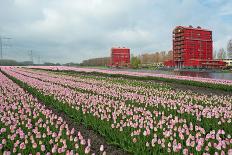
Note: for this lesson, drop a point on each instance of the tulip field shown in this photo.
(226, 84)
(139, 117)
(28, 127)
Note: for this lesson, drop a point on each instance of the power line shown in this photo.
(31, 55)
(229, 49)
(2, 45)
(38, 59)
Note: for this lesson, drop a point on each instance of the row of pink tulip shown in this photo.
(28, 127)
(132, 73)
(201, 106)
(148, 128)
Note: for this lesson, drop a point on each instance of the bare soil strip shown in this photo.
(96, 139)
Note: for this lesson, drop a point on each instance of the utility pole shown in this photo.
(229, 49)
(31, 56)
(1, 45)
(38, 59)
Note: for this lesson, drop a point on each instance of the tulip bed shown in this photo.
(28, 127)
(225, 85)
(140, 117)
(221, 109)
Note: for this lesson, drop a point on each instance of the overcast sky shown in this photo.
(74, 30)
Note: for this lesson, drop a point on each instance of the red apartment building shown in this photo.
(193, 47)
(120, 56)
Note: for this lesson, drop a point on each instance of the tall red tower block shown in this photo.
(191, 44)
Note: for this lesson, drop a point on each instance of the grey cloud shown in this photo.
(64, 31)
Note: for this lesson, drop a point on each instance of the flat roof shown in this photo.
(120, 48)
(191, 28)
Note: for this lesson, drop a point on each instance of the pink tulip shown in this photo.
(22, 146)
(87, 150)
(101, 148)
(42, 148)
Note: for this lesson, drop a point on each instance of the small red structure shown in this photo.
(201, 63)
(169, 63)
(120, 57)
(193, 47)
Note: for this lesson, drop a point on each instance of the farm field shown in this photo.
(137, 74)
(42, 111)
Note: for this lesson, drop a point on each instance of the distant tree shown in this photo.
(221, 54)
(26, 63)
(169, 55)
(104, 61)
(229, 49)
(6, 62)
(156, 57)
(162, 56)
(71, 64)
(135, 62)
(215, 54)
(144, 58)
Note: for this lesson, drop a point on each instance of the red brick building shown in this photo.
(193, 47)
(120, 56)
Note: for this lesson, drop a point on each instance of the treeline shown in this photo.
(96, 62)
(158, 57)
(147, 58)
(8, 62)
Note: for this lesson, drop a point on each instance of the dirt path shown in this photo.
(96, 139)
